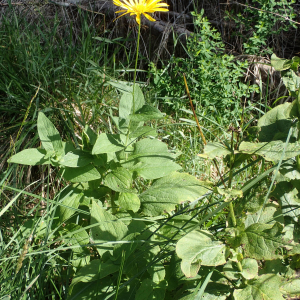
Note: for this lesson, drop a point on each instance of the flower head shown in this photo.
(138, 7)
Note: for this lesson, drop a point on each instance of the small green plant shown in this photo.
(259, 21)
(214, 78)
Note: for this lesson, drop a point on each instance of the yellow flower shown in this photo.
(138, 7)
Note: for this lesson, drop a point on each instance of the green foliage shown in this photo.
(124, 222)
(259, 231)
(108, 169)
(214, 78)
(260, 20)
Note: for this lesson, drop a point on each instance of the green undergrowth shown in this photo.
(105, 196)
(214, 78)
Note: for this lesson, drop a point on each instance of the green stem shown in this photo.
(231, 210)
(239, 266)
(298, 126)
(232, 215)
(136, 62)
(298, 162)
(134, 80)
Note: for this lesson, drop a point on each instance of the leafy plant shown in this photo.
(123, 182)
(260, 20)
(257, 254)
(214, 78)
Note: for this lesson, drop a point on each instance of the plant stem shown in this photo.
(192, 106)
(231, 210)
(134, 80)
(239, 266)
(232, 215)
(136, 62)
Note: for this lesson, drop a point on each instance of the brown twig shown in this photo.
(192, 106)
(199, 127)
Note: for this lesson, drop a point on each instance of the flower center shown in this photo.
(140, 8)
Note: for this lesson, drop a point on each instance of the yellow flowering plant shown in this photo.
(140, 7)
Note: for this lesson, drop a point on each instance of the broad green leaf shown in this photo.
(129, 201)
(91, 135)
(119, 180)
(272, 213)
(146, 113)
(68, 202)
(276, 123)
(296, 63)
(231, 270)
(143, 131)
(81, 174)
(80, 238)
(207, 296)
(67, 147)
(249, 268)
(159, 167)
(175, 224)
(76, 158)
(198, 247)
(126, 108)
(93, 290)
(30, 157)
(151, 147)
(287, 194)
(289, 171)
(280, 64)
(291, 288)
(151, 159)
(265, 287)
(126, 102)
(263, 241)
(149, 290)
(107, 143)
(214, 294)
(49, 135)
(213, 150)
(271, 151)
(108, 228)
(275, 266)
(167, 192)
(174, 275)
(122, 86)
(94, 271)
(292, 81)
(157, 272)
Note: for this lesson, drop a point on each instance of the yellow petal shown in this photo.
(129, 3)
(123, 6)
(121, 16)
(118, 3)
(149, 18)
(162, 4)
(161, 9)
(138, 18)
